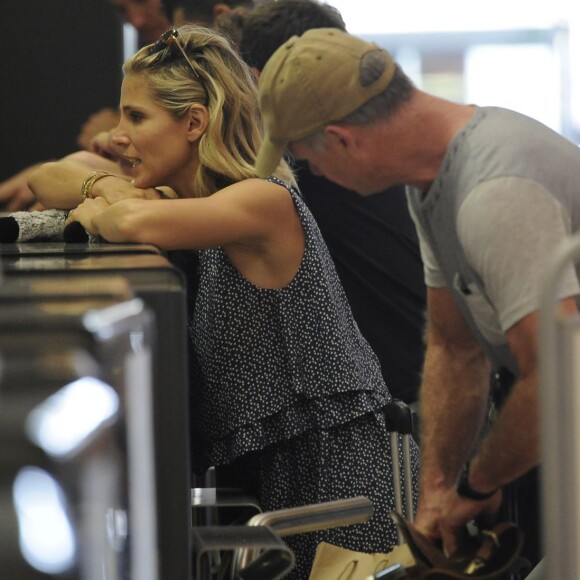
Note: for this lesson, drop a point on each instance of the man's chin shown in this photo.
(367, 192)
(361, 189)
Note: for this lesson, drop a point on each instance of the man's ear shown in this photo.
(219, 9)
(179, 18)
(197, 121)
(339, 135)
(256, 72)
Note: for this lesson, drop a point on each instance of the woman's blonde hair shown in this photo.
(225, 85)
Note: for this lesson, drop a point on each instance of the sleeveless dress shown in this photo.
(285, 383)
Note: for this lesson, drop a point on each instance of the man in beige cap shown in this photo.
(492, 194)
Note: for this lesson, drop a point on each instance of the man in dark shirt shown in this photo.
(372, 239)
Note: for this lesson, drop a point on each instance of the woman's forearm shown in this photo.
(58, 184)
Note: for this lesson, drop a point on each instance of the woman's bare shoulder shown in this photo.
(255, 190)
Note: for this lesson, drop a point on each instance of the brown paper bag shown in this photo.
(334, 563)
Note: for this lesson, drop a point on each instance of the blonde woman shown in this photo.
(287, 396)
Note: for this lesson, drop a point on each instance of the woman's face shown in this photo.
(154, 142)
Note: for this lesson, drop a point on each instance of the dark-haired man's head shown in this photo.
(147, 16)
(273, 22)
(170, 8)
(204, 12)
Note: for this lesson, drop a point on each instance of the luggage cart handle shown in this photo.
(399, 417)
(303, 519)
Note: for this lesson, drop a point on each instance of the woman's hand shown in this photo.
(115, 188)
(86, 212)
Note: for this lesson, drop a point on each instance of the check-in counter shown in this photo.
(60, 490)
(161, 286)
(76, 448)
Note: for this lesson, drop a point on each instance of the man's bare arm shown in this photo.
(513, 446)
(454, 397)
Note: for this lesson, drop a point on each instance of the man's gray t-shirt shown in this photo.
(506, 195)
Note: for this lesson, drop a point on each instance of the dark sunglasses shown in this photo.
(172, 37)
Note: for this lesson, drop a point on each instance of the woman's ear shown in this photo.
(197, 121)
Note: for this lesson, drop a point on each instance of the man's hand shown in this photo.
(448, 523)
(459, 511)
(103, 145)
(429, 515)
(103, 120)
(15, 195)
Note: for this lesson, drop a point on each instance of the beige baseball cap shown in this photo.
(310, 81)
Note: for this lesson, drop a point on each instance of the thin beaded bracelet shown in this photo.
(89, 182)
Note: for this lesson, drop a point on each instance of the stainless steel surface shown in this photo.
(560, 421)
(308, 518)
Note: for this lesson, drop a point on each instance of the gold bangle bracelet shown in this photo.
(89, 182)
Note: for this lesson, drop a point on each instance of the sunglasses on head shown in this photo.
(171, 37)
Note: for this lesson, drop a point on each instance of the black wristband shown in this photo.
(465, 490)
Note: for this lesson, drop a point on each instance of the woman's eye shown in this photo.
(135, 117)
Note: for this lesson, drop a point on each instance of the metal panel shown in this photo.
(560, 400)
(161, 286)
(55, 347)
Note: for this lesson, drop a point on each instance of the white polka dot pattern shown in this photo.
(275, 363)
(287, 375)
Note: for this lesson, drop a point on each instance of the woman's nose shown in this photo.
(119, 138)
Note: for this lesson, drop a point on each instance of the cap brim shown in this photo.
(269, 157)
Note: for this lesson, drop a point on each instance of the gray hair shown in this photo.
(382, 106)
